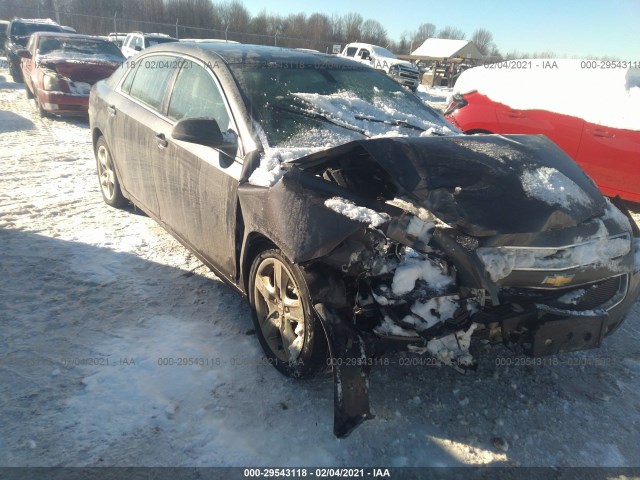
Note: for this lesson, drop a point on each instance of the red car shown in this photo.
(60, 68)
(610, 156)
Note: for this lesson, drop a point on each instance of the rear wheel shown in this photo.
(109, 184)
(288, 329)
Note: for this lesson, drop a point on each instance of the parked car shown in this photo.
(4, 24)
(135, 42)
(606, 144)
(18, 33)
(117, 38)
(403, 72)
(60, 68)
(356, 220)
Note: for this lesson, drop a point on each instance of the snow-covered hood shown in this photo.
(484, 185)
(85, 68)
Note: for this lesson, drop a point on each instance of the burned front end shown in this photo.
(428, 243)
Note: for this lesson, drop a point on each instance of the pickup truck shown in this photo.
(403, 72)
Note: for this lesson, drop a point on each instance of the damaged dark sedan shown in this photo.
(352, 216)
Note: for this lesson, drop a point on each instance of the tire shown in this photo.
(16, 73)
(29, 94)
(287, 327)
(107, 177)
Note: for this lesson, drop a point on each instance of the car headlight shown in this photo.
(52, 82)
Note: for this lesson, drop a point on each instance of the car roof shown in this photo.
(68, 35)
(234, 53)
(40, 21)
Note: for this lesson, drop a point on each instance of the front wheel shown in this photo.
(109, 184)
(288, 329)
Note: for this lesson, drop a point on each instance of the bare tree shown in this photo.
(424, 32)
(352, 26)
(452, 33)
(373, 32)
(483, 39)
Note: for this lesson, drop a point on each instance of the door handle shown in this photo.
(516, 114)
(162, 141)
(601, 132)
(112, 110)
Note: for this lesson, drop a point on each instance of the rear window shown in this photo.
(20, 29)
(151, 41)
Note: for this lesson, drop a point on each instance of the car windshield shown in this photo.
(383, 52)
(308, 106)
(79, 47)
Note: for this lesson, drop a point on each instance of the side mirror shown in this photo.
(201, 131)
(137, 48)
(22, 53)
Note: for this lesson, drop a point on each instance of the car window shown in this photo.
(351, 51)
(151, 79)
(196, 94)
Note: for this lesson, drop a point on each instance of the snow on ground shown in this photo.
(435, 97)
(568, 88)
(118, 348)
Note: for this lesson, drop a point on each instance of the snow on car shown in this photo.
(557, 98)
(101, 305)
(318, 240)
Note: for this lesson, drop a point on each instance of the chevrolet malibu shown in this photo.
(354, 219)
(60, 68)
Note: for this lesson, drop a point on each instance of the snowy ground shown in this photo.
(435, 97)
(81, 282)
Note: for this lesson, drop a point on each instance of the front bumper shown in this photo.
(63, 103)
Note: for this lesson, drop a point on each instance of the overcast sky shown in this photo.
(574, 27)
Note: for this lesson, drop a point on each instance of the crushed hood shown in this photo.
(484, 185)
(87, 69)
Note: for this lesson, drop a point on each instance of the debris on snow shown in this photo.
(453, 349)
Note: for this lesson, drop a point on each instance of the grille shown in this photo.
(601, 295)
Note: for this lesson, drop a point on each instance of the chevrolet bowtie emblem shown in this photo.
(557, 280)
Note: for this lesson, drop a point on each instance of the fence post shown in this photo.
(115, 24)
(177, 35)
(225, 34)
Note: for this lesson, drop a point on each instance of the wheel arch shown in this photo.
(95, 135)
(253, 244)
(478, 130)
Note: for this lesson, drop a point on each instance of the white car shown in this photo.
(137, 41)
(403, 72)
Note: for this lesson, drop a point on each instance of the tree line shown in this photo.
(231, 20)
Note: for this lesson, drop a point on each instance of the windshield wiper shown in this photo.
(318, 116)
(395, 123)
